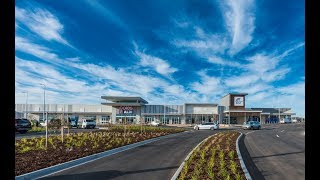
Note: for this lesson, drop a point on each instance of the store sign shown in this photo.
(238, 101)
(125, 110)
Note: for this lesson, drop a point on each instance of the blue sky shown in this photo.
(164, 51)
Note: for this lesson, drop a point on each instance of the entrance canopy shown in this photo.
(124, 101)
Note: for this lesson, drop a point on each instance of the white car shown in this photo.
(86, 123)
(285, 120)
(154, 123)
(207, 125)
(43, 123)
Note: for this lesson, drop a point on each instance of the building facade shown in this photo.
(136, 110)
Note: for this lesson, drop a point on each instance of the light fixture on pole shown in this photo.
(44, 109)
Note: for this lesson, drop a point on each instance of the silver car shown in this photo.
(251, 125)
(208, 125)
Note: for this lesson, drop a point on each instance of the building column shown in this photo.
(245, 117)
(229, 118)
(260, 119)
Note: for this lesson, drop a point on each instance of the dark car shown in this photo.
(22, 125)
(251, 125)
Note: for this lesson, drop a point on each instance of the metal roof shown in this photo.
(235, 93)
(207, 104)
(272, 110)
(118, 99)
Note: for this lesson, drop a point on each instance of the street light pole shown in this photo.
(26, 109)
(164, 114)
(44, 109)
(279, 108)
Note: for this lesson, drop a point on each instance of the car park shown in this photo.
(207, 125)
(22, 125)
(251, 125)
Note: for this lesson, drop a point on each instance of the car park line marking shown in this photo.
(277, 135)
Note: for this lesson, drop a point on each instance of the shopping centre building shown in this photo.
(135, 110)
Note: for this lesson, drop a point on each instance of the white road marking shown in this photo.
(277, 135)
(282, 131)
(250, 132)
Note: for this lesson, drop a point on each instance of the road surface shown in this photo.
(277, 151)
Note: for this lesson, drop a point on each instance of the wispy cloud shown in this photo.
(203, 42)
(242, 80)
(60, 88)
(24, 45)
(161, 66)
(106, 13)
(239, 18)
(41, 22)
(221, 61)
(208, 85)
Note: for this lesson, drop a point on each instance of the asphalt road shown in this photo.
(157, 160)
(277, 151)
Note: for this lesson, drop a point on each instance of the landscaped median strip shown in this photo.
(176, 174)
(213, 158)
(73, 163)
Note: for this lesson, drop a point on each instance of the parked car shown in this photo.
(22, 125)
(285, 120)
(207, 125)
(251, 125)
(88, 123)
(154, 123)
(43, 123)
(73, 124)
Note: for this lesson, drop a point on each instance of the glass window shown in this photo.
(105, 119)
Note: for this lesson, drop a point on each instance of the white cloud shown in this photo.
(242, 80)
(208, 85)
(294, 89)
(159, 65)
(59, 88)
(204, 44)
(255, 88)
(275, 75)
(221, 61)
(41, 22)
(26, 46)
(239, 18)
(291, 96)
(106, 12)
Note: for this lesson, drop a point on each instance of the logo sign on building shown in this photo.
(238, 101)
(125, 110)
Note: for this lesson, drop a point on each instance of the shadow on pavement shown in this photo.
(252, 168)
(281, 154)
(105, 174)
